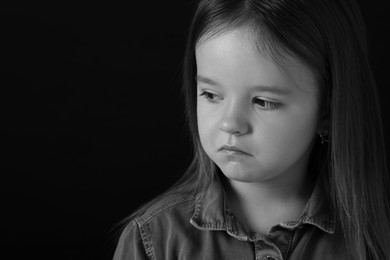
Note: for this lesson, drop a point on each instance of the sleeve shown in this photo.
(130, 245)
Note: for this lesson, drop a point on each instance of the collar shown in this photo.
(212, 212)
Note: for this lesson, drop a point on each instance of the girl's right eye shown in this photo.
(211, 97)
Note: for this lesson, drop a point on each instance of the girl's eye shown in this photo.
(267, 105)
(211, 97)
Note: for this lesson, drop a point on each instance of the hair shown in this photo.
(330, 37)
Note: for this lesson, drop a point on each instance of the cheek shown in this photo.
(291, 135)
(204, 125)
(208, 130)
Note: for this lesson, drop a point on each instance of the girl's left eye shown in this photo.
(267, 105)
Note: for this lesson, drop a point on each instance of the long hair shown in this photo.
(329, 36)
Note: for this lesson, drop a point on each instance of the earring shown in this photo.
(324, 136)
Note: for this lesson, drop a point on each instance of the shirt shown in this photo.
(203, 226)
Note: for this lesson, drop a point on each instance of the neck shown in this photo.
(261, 205)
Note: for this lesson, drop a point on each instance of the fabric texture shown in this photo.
(204, 227)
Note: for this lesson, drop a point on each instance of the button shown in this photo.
(268, 257)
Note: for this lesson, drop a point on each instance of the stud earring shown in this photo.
(324, 134)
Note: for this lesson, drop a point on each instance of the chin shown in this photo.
(241, 175)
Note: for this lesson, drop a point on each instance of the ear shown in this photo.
(324, 123)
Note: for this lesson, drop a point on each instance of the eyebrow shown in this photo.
(263, 88)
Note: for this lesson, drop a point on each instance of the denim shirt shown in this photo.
(203, 227)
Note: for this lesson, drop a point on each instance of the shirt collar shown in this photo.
(212, 212)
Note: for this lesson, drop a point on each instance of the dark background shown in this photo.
(92, 120)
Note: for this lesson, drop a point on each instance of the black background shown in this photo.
(92, 120)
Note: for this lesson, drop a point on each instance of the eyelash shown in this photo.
(208, 96)
(272, 105)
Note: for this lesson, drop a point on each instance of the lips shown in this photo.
(232, 150)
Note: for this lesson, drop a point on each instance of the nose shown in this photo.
(234, 120)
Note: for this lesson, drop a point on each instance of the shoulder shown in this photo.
(164, 223)
(169, 206)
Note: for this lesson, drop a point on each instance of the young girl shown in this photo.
(289, 157)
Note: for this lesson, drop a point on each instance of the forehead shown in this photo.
(238, 56)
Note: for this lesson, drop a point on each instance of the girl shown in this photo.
(289, 157)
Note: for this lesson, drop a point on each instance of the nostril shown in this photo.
(234, 126)
(231, 130)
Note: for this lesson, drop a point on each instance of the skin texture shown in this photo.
(276, 130)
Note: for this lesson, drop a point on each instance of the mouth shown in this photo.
(232, 150)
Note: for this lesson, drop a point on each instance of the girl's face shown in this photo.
(257, 119)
